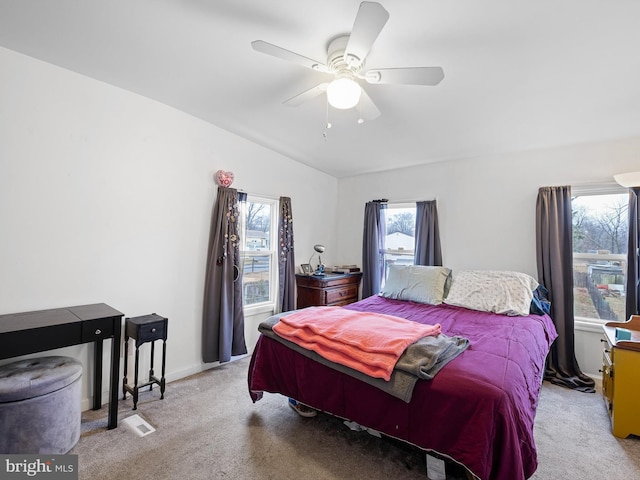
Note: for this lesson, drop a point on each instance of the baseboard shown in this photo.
(597, 379)
(87, 402)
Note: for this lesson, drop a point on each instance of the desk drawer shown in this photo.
(97, 329)
(152, 331)
(23, 342)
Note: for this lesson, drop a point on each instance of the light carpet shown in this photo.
(208, 428)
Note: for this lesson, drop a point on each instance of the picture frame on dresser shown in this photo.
(306, 269)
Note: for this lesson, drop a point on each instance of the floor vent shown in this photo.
(138, 425)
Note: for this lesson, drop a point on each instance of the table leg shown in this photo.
(97, 374)
(125, 380)
(153, 343)
(115, 374)
(164, 362)
(135, 378)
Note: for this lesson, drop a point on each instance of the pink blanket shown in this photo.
(368, 342)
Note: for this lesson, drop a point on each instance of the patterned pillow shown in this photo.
(417, 283)
(504, 292)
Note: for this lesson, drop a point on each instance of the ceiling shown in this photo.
(518, 74)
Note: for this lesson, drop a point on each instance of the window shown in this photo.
(257, 250)
(600, 229)
(399, 241)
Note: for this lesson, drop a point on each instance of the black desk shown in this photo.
(31, 332)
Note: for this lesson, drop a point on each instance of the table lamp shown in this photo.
(319, 249)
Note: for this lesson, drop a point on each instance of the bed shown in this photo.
(479, 409)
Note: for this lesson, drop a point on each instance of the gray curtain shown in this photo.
(372, 247)
(633, 255)
(286, 258)
(223, 318)
(554, 251)
(427, 239)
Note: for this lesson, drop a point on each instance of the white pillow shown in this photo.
(417, 283)
(502, 292)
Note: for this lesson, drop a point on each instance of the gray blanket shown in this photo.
(422, 359)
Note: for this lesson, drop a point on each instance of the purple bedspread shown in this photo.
(479, 409)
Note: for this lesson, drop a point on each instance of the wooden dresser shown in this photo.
(621, 377)
(331, 289)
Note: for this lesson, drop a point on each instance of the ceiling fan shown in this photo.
(346, 57)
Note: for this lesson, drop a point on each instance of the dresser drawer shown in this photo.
(343, 294)
(331, 289)
(607, 380)
(97, 329)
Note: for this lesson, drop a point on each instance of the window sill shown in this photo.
(258, 309)
(585, 324)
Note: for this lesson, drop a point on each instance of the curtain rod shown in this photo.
(270, 197)
(603, 183)
(403, 201)
(596, 188)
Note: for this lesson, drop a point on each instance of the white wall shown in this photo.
(106, 196)
(486, 206)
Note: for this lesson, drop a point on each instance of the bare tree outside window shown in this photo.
(258, 216)
(402, 222)
(604, 228)
(600, 226)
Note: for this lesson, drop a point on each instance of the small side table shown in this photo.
(147, 328)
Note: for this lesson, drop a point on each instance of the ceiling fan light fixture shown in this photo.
(343, 93)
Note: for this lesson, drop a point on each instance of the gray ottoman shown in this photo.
(40, 405)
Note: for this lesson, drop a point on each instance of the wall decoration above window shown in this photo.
(224, 179)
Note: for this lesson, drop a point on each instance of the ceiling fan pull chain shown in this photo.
(327, 124)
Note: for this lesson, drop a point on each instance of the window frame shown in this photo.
(398, 252)
(245, 253)
(582, 323)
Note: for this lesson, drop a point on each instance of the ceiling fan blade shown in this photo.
(367, 26)
(306, 95)
(366, 107)
(284, 54)
(406, 76)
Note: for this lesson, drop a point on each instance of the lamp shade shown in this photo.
(631, 179)
(343, 93)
